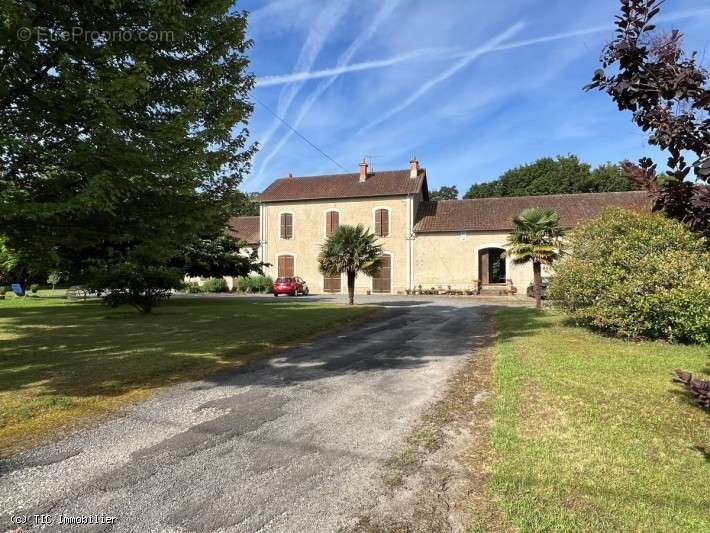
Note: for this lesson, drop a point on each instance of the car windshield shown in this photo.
(283, 280)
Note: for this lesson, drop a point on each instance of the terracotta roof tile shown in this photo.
(385, 183)
(491, 214)
(246, 228)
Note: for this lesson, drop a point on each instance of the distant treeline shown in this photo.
(561, 175)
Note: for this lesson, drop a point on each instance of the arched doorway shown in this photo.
(491, 266)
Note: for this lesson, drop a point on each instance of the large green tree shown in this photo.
(122, 129)
(224, 255)
(561, 175)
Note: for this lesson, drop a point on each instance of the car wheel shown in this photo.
(276, 295)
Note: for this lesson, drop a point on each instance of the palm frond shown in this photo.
(350, 248)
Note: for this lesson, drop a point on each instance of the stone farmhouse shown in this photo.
(452, 243)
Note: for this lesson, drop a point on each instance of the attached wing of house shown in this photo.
(452, 243)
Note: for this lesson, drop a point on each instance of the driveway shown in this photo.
(295, 443)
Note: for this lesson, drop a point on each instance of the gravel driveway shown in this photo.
(292, 444)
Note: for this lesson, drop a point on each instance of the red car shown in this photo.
(291, 286)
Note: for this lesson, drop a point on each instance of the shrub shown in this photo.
(215, 285)
(34, 288)
(255, 284)
(636, 275)
(263, 284)
(193, 288)
(54, 278)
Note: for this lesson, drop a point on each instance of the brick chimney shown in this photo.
(413, 168)
(363, 171)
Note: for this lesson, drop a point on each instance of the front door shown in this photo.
(491, 266)
(331, 284)
(382, 280)
(286, 266)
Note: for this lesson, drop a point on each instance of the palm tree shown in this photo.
(351, 249)
(536, 238)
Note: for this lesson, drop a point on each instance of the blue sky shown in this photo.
(471, 87)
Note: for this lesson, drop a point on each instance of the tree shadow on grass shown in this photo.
(86, 350)
(83, 349)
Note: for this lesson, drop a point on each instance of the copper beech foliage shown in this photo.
(648, 73)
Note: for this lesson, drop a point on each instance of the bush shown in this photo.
(54, 278)
(34, 288)
(215, 285)
(192, 288)
(636, 275)
(255, 284)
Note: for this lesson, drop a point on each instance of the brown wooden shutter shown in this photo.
(382, 279)
(331, 284)
(382, 223)
(286, 226)
(332, 220)
(286, 266)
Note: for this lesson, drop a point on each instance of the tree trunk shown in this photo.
(351, 287)
(537, 281)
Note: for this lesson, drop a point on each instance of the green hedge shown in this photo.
(255, 284)
(215, 285)
(636, 275)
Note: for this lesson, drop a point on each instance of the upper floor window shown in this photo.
(382, 222)
(332, 221)
(286, 226)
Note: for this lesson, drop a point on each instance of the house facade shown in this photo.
(453, 243)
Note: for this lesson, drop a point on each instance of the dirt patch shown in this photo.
(438, 481)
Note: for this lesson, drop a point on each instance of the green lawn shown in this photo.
(61, 361)
(589, 433)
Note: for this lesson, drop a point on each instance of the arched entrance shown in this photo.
(491, 266)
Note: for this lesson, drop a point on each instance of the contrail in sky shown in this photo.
(343, 61)
(268, 81)
(453, 69)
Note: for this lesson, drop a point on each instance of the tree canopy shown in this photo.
(444, 193)
(122, 129)
(667, 93)
(561, 175)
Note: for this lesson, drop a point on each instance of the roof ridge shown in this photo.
(560, 195)
(319, 176)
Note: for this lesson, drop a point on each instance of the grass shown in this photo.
(61, 361)
(589, 433)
